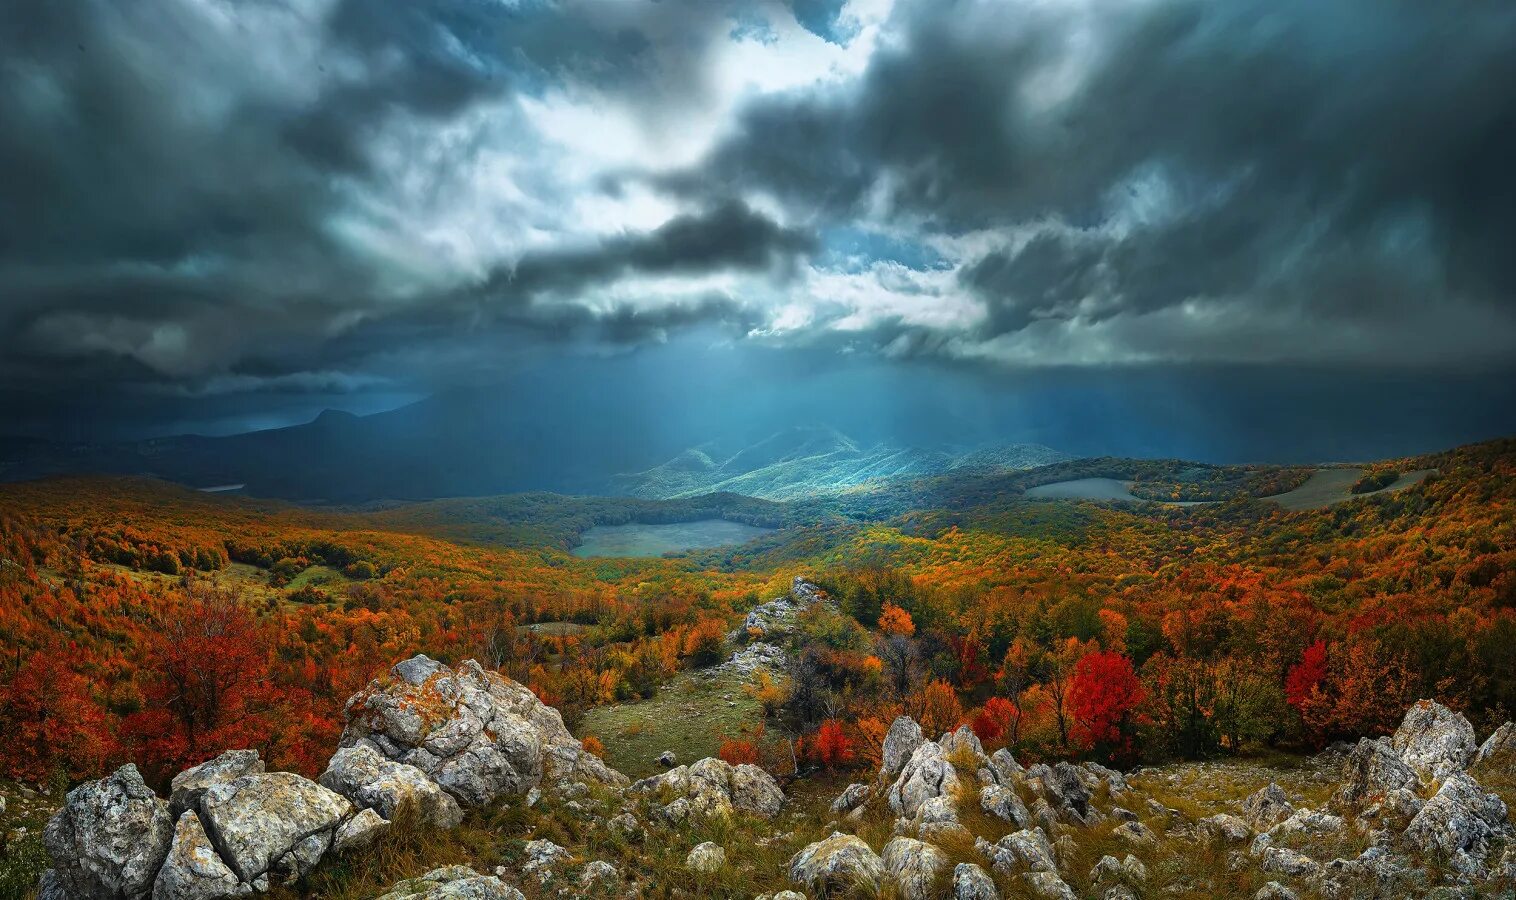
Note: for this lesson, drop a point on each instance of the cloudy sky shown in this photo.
(269, 204)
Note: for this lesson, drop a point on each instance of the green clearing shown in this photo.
(319, 576)
(1328, 487)
(691, 715)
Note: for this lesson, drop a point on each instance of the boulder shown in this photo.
(755, 791)
(705, 858)
(1114, 782)
(1003, 769)
(599, 875)
(1110, 870)
(1459, 822)
(1288, 862)
(188, 786)
(1267, 807)
(927, 774)
(477, 734)
(1224, 827)
(1048, 885)
(713, 787)
(852, 797)
(193, 869)
(278, 823)
(667, 759)
(1135, 833)
(1371, 771)
(1434, 740)
(1064, 788)
(1303, 823)
(359, 831)
(838, 864)
(964, 743)
(626, 825)
(973, 883)
(1028, 850)
(371, 781)
(1275, 891)
(453, 883)
(914, 867)
(1005, 805)
(900, 743)
(1499, 749)
(109, 839)
(937, 820)
(543, 858)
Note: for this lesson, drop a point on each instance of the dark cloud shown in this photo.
(727, 236)
(275, 196)
(1287, 152)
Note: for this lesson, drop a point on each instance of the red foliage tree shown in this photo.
(208, 687)
(830, 746)
(994, 721)
(51, 721)
(736, 752)
(1103, 697)
(1306, 676)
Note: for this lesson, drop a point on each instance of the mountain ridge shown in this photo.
(810, 459)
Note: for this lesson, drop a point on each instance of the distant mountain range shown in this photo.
(804, 461)
(472, 444)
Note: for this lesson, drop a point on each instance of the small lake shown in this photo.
(656, 540)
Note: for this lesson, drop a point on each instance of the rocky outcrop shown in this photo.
(189, 786)
(274, 825)
(839, 864)
(913, 867)
(900, 743)
(239, 830)
(453, 883)
(926, 774)
(1003, 803)
(1499, 749)
(1434, 741)
(1459, 822)
(478, 735)
(109, 840)
(1027, 850)
(1063, 786)
(776, 618)
(712, 787)
(1371, 771)
(853, 797)
(374, 782)
(1267, 807)
(193, 869)
(973, 883)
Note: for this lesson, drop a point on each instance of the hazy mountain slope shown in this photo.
(808, 460)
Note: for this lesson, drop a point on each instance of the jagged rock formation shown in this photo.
(711, 787)
(427, 738)
(108, 840)
(1434, 741)
(372, 781)
(478, 735)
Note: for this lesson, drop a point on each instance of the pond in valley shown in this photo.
(656, 540)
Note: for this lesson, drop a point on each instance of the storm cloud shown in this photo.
(208, 198)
